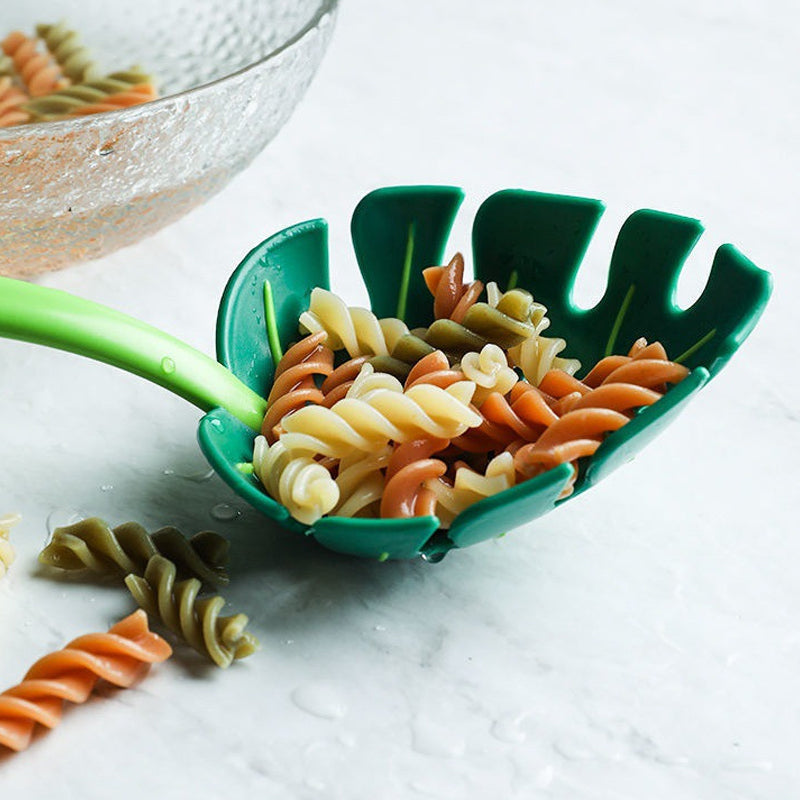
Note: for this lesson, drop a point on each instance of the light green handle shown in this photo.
(54, 318)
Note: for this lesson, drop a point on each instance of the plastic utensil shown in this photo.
(539, 239)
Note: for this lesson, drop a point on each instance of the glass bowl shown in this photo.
(230, 73)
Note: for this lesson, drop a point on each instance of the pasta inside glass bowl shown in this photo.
(229, 75)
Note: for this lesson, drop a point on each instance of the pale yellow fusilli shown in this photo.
(470, 486)
(295, 480)
(379, 416)
(7, 554)
(489, 371)
(538, 355)
(361, 481)
(355, 329)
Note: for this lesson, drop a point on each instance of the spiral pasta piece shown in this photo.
(37, 70)
(91, 544)
(363, 421)
(11, 101)
(293, 383)
(7, 554)
(295, 479)
(470, 486)
(360, 481)
(434, 369)
(508, 320)
(119, 657)
(490, 372)
(355, 329)
(369, 381)
(336, 386)
(538, 355)
(526, 413)
(623, 384)
(518, 304)
(196, 619)
(75, 99)
(451, 297)
(409, 469)
(134, 96)
(645, 364)
(67, 49)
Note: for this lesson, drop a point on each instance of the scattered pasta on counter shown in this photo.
(119, 657)
(7, 554)
(368, 418)
(150, 565)
(196, 619)
(126, 549)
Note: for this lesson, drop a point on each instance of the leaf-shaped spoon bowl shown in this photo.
(397, 232)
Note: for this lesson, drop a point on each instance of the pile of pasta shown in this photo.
(52, 75)
(367, 418)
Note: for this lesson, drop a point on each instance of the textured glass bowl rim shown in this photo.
(33, 130)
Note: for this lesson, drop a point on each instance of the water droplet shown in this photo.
(223, 512)
(320, 699)
(167, 365)
(217, 425)
(107, 487)
(509, 729)
(168, 471)
(380, 627)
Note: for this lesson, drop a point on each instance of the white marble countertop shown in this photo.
(641, 641)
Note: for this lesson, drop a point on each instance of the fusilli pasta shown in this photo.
(379, 415)
(355, 329)
(451, 297)
(538, 355)
(36, 69)
(195, 619)
(295, 479)
(11, 101)
(91, 544)
(360, 481)
(119, 657)
(623, 384)
(409, 469)
(7, 554)
(361, 437)
(67, 49)
(293, 383)
(470, 486)
(489, 371)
